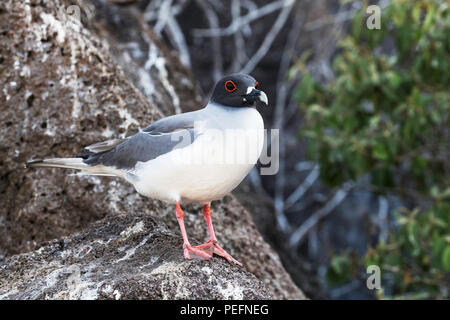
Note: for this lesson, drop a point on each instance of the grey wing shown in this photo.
(104, 146)
(141, 147)
(174, 123)
(157, 139)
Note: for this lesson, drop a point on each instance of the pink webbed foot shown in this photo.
(204, 251)
(188, 250)
(212, 246)
(191, 252)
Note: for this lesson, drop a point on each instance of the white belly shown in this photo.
(212, 166)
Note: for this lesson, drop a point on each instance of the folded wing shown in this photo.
(155, 140)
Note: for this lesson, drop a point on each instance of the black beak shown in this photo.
(256, 95)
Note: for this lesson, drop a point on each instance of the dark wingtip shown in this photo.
(30, 164)
(84, 155)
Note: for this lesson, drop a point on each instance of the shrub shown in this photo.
(386, 116)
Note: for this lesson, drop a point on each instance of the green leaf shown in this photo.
(305, 89)
(339, 270)
(429, 17)
(379, 151)
(446, 258)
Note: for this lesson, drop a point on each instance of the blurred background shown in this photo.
(361, 97)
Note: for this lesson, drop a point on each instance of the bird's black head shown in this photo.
(238, 90)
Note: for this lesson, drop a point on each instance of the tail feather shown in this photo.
(75, 163)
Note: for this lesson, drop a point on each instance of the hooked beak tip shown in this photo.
(263, 98)
(254, 96)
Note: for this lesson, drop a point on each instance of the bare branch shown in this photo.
(270, 37)
(255, 181)
(213, 22)
(240, 57)
(330, 19)
(152, 10)
(299, 234)
(250, 6)
(317, 197)
(251, 16)
(282, 92)
(163, 15)
(305, 165)
(383, 210)
(301, 189)
(177, 37)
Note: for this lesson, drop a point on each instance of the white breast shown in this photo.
(229, 143)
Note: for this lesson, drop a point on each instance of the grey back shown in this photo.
(155, 140)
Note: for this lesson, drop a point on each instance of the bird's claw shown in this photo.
(188, 250)
(211, 247)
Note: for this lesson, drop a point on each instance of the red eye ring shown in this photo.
(232, 89)
(256, 85)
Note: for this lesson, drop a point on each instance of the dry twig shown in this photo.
(299, 234)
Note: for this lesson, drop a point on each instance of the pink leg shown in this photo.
(187, 248)
(212, 244)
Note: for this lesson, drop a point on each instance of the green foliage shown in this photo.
(385, 113)
(386, 116)
(342, 267)
(415, 258)
(417, 255)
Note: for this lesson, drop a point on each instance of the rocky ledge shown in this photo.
(124, 257)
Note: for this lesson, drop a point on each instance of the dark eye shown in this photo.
(230, 86)
(256, 85)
